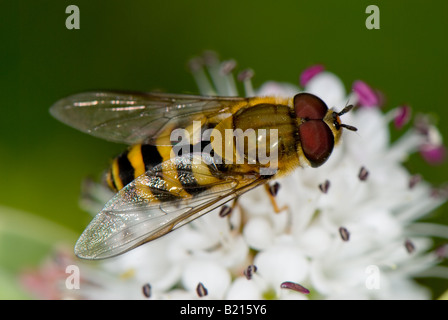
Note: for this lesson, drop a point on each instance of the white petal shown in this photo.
(281, 263)
(328, 87)
(215, 278)
(258, 233)
(279, 89)
(243, 289)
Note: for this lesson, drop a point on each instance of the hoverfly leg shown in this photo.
(272, 192)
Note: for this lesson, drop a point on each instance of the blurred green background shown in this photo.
(144, 45)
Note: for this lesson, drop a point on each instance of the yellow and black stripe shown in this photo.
(131, 164)
(177, 177)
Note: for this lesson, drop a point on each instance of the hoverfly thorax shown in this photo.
(320, 128)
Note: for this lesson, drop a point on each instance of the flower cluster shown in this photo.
(349, 229)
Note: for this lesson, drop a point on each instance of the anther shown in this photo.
(442, 251)
(273, 189)
(201, 290)
(324, 186)
(366, 95)
(245, 75)
(195, 64)
(433, 153)
(249, 271)
(363, 174)
(415, 179)
(422, 124)
(225, 211)
(310, 73)
(210, 58)
(439, 193)
(228, 66)
(146, 289)
(402, 116)
(345, 235)
(410, 247)
(294, 286)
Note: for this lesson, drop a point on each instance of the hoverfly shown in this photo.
(159, 190)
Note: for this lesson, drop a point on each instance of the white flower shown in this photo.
(350, 230)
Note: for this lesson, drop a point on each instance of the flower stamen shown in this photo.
(245, 77)
(345, 235)
(409, 245)
(294, 286)
(310, 73)
(201, 290)
(363, 174)
(402, 116)
(324, 186)
(225, 211)
(226, 70)
(366, 95)
(196, 66)
(146, 290)
(415, 179)
(249, 271)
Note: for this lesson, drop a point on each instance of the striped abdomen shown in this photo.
(131, 164)
(170, 178)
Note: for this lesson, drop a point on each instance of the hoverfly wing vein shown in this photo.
(134, 215)
(133, 117)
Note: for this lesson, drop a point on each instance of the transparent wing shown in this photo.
(135, 117)
(132, 218)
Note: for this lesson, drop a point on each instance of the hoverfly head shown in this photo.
(319, 127)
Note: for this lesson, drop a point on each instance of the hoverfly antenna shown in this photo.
(345, 110)
(342, 112)
(348, 127)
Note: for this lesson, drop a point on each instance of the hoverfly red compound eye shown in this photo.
(316, 137)
(317, 141)
(307, 106)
